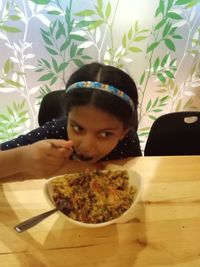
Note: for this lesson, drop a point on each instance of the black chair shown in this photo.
(52, 106)
(176, 133)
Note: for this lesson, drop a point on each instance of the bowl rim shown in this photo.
(137, 182)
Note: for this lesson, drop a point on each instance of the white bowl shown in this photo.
(134, 179)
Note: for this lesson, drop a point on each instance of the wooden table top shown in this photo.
(165, 230)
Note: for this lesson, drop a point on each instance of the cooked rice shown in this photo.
(94, 196)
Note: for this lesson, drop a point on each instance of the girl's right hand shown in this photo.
(46, 157)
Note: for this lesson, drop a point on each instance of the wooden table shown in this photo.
(164, 232)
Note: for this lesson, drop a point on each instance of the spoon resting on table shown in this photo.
(27, 224)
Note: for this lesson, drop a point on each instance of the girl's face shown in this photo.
(95, 133)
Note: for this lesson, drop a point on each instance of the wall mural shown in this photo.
(43, 41)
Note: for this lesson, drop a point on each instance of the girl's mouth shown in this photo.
(84, 158)
(80, 157)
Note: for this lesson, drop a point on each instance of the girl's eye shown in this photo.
(106, 134)
(76, 128)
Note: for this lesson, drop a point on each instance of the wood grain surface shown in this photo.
(164, 231)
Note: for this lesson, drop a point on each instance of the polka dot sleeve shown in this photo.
(55, 129)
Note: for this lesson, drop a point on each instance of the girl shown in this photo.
(101, 117)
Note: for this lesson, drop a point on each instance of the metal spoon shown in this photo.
(79, 157)
(25, 225)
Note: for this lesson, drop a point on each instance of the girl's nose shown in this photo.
(88, 145)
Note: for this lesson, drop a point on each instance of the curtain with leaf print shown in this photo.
(43, 41)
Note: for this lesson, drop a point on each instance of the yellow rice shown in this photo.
(94, 196)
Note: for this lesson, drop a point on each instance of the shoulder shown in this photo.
(53, 129)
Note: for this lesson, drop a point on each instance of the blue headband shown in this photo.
(103, 87)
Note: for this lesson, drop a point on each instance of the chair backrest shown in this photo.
(52, 106)
(176, 133)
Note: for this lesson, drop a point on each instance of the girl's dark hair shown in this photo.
(110, 75)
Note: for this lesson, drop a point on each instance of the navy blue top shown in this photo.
(57, 129)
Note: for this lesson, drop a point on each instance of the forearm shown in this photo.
(11, 162)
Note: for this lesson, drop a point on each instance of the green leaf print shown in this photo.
(8, 66)
(170, 4)
(77, 37)
(79, 63)
(41, 2)
(43, 92)
(148, 105)
(182, 2)
(85, 13)
(84, 23)
(55, 65)
(108, 10)
(135, 49)
(95, 24)
(13, 83)
(61, 42)
(10, 29)
(62, 66)
(152, 46)
(169, 74)
(99, 8)
(160, 9)
(177, 36)
(169, 44)
(53, 80)
(46, 77)
(160, 24)
(65, 45)
(47, 39)
(14, 17)
(46, 63)
(166, 29)
(156, 105)
(51, 51)
(11, 121)
(130, 43)
(161, 77)
(174, 16)
(164, 60)
(156, 64)
(142, 78)
(54, 12)
(192, 3)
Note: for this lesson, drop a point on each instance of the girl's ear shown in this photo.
(124, 133)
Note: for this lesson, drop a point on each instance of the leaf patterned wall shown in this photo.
(43, 41)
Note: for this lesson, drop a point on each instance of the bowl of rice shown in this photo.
(94, 198)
